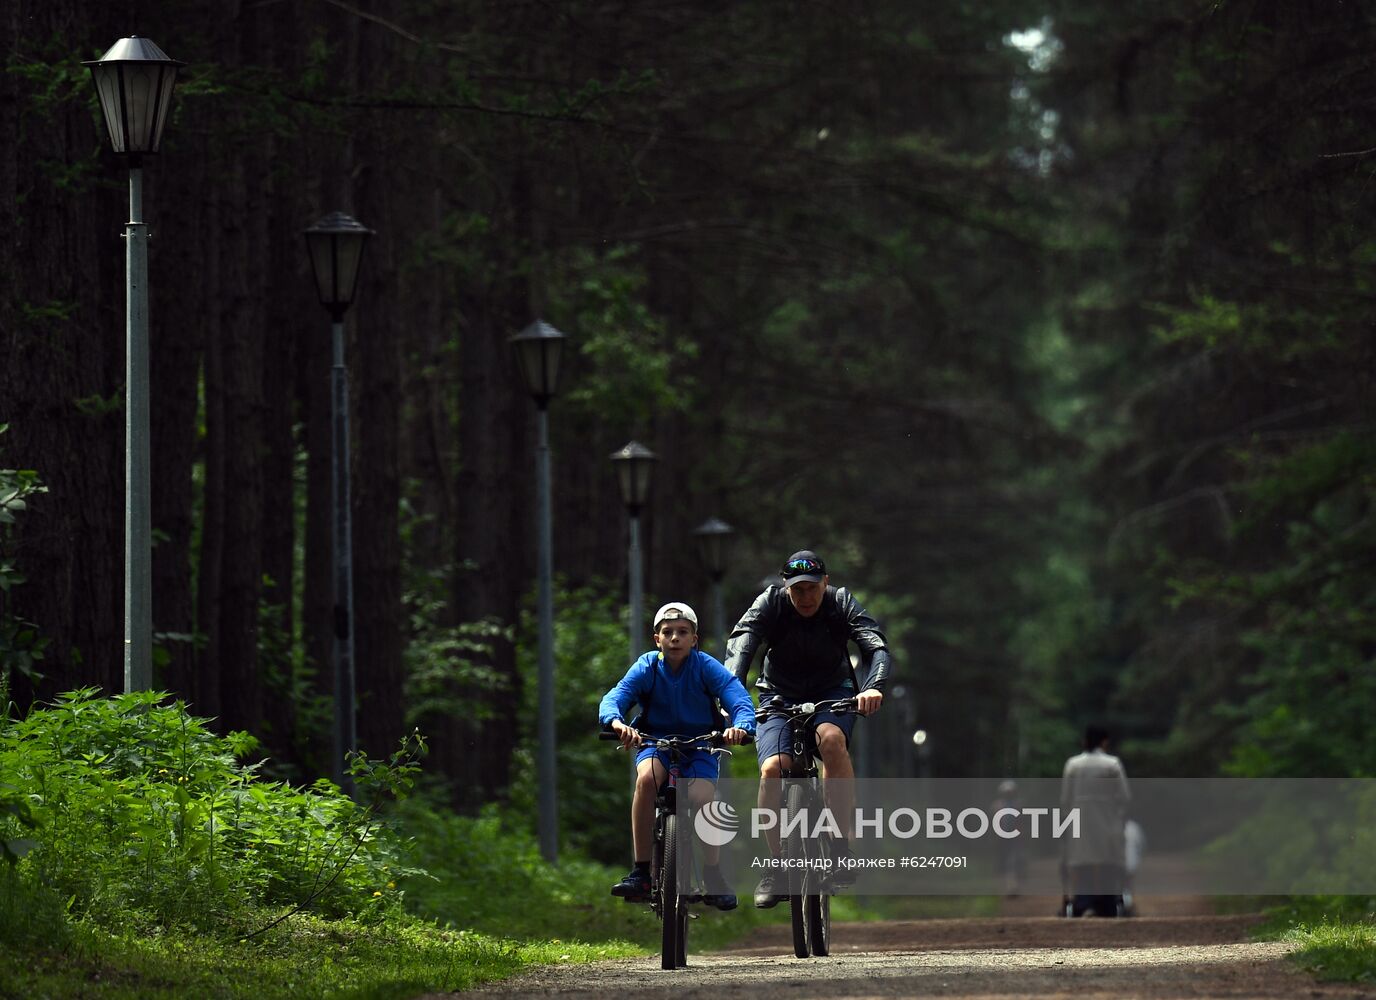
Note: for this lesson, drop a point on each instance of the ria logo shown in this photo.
(716, 824)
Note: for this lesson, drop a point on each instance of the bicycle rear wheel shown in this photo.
(795, 851)
(671, 936)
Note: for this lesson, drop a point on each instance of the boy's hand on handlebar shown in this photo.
(734, 736)
(867, 702)
(628, 736)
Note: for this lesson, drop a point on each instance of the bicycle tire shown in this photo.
(795, 850)
(668, 895)
(819, 904)
(685, 862)
(681, 949)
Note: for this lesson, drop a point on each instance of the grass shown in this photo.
(1337, 951)
(1335, 935)
(303, 957)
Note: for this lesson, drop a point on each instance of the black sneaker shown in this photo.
(718, 893)
(765, 896)
(634, 888)
(842, 876)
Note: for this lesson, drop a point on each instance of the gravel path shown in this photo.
(1181, 956)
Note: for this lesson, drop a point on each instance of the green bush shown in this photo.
(135, 808)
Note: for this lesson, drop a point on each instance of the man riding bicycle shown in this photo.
(677, 687)
(804, 626)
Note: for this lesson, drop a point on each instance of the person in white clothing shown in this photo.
(1095, 784)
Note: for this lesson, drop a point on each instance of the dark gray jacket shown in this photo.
(804, 657)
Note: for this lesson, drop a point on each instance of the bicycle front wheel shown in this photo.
(669, 903)
(819, 903)
(795, 850)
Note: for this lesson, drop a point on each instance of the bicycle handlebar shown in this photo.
(713, 739)
(805, 709)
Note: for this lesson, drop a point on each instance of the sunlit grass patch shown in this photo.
(1336, 951)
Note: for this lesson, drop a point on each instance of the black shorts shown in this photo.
(771, 736)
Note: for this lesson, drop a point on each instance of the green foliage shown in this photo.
(137, 810)
(590, 656)
(288, 674)
(21, 645)
(485, 874)
(636, 365)
(448, 667)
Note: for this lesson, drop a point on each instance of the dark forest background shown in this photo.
(1050, 325)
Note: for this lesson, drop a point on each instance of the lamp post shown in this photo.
(539, 348)
(134, 81)
(712, 536)
(634, 466)
(335, 245)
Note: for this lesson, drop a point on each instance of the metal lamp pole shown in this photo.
(539, 348)
(134, 81)
(635, 465)
(335, 244)
(712, 536)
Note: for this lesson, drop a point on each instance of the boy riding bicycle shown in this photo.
(804, 626)
(678, 687)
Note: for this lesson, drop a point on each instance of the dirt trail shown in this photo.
(1173, 954)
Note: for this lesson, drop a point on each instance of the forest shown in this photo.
(1048, 324)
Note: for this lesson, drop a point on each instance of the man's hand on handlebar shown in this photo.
(867, 702)
(734, 736)
(629, 737)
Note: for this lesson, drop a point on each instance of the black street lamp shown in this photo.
(335, 245)
(634, 468)
(539, 348)
(713, 535)
(134, 81)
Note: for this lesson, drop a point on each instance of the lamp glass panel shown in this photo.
(140, 95)
(636, 480)
(167, 80)
(107, 86)
(321, 246)
(625, 479)
(551, 352)
(349, 251)
(539, 360)
(711, 545)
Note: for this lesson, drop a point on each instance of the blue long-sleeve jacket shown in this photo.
(682, 703)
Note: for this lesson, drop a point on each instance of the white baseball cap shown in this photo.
(676, 611)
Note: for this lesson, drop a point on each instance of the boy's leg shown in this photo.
(649, 773)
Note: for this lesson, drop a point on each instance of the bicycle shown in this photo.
(811, 858)
(668, 880)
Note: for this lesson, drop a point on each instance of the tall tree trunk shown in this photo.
(384, 312)
(495, 489)
(62, 341)
(178, 330)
